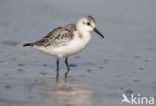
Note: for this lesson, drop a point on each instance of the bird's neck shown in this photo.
(82, 33)
(82, 30)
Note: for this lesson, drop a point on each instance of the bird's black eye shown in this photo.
(88, 23)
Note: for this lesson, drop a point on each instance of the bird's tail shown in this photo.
(28, 45)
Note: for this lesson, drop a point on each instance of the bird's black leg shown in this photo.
(68, 69)
(66, 74)
(57, 68)
(66, 62)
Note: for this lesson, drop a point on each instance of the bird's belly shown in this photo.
(71, 48)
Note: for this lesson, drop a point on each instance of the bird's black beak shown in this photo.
(98, 32)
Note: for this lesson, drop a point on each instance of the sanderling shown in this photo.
(68, 40)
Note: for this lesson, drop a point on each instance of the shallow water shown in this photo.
(122, 62)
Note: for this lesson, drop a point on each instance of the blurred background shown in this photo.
(122, 62)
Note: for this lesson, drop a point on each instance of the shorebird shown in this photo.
(67, 40)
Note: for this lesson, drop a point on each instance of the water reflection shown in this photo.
(67, 93)
(65, 75)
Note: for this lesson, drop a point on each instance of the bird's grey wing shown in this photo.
(58, 37)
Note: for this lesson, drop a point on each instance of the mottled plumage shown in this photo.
(58, 37)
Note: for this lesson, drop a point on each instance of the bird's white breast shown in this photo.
(77, 44)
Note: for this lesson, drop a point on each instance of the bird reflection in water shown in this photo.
(66, 93)
(65, 75)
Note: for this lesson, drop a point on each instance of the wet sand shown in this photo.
(122, 62)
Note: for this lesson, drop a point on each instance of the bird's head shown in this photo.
(87, 23)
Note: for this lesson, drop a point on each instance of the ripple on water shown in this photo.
(10, 43)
